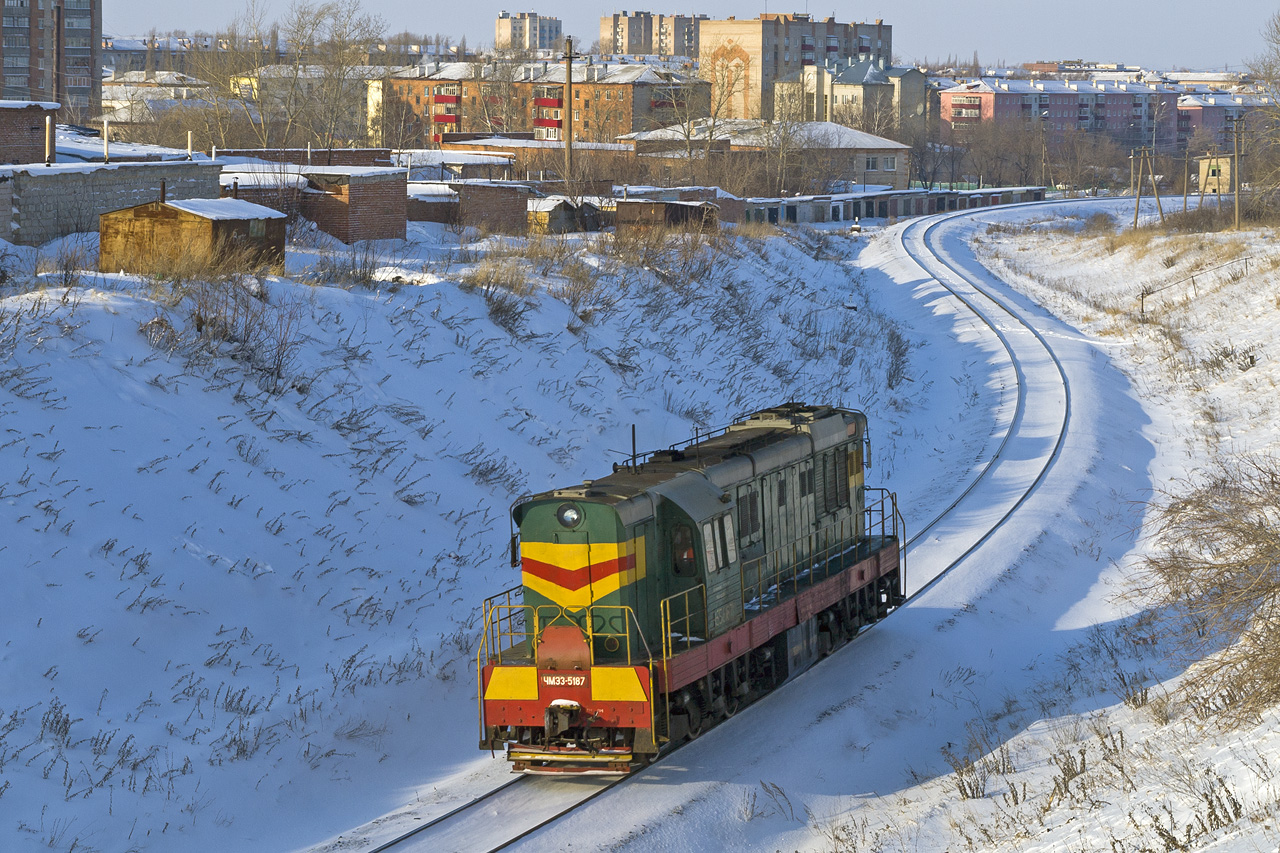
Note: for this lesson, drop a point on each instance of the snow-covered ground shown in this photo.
(243, 571)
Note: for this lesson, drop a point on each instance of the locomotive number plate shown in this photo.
(564, 680)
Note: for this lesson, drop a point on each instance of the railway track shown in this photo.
(1034, 422)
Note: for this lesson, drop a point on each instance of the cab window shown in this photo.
(682, 557)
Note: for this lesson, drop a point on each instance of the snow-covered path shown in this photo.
(850, 737)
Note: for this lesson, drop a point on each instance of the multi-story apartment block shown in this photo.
(50, 52)
(526, 31)
(608, 100)
(1135, 114)
(868, 95)
(647, 33)
(1206, 118)
(743, 58)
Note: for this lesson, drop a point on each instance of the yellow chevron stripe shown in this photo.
(573, 556)
(574, 599)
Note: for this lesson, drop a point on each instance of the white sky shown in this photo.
(1179, 33)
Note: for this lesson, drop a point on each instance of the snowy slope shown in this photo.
(243, 600)
(244, 574)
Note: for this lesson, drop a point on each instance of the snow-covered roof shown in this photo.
(757, 132)
(224, 208)
(154, 78)
(500, 142)
(551, 73)
(22, 105)
(262, 179)
(431, 190)
(432, 157)
(291, 168)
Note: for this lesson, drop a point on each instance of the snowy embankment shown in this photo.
(243, 576)
(1026, 702)
(247, 534)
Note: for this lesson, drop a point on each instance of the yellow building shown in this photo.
(744, 58)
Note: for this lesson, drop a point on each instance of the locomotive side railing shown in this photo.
(683, 620)
(782, 572)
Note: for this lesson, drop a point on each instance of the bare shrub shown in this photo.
(498, 274)
(1216, 576)
(263, 334)
(357, 264)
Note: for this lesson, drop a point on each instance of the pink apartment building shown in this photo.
(1135, 114)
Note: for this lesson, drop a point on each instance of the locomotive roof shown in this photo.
(697, 475)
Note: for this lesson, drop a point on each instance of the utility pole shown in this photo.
(1136, 185)
(567, 125)
(1155, 186)
(1235, 163)
(1186, 178)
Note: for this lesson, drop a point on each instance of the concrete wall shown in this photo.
(47, 202)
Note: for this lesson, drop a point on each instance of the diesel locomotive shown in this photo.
(659, 599)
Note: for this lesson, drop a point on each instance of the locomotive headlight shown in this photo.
(569, 515)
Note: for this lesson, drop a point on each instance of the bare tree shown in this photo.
(1262, 139)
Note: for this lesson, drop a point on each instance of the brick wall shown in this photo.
(22, 134)
(434, 209)
(287, 200)
(52, 201)
(316, 157)
(500, 209)
(359, 207)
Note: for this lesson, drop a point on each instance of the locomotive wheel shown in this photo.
(691, 707)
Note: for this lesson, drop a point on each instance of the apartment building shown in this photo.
(608, 99)
(527, 31)
(868, 95)
(649, 34)
(1135, 114)
(744, 58)
(51, 52)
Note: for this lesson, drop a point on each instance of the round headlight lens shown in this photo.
(569, 515)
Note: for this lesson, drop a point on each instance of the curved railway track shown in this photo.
(1036, 420)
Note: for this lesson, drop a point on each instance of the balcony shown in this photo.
(546, 122)
(445, 119)
(447, 99)
(554, 103)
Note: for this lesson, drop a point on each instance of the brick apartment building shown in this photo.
(608, 99)
(1134, 114)
(51, 52)
(526, 31)
(743, 58)
(647, 33)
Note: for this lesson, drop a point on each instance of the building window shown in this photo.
(871, 165)
(890, 164)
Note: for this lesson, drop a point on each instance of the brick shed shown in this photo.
(498, 207)
(432, 202)
(355, 203)
(278, 189)
(642, 214)
(158, 234)
(22, 130)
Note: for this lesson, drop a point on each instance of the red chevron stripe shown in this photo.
(577, 579)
